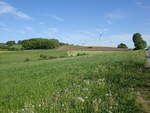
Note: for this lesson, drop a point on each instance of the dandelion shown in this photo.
(81, 99)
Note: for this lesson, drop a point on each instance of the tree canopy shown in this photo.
(10, 43)
(40, 43)
(122, 45)
(139, 43)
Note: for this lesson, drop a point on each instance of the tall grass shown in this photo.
(98, 83)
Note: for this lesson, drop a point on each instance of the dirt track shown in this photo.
(90, 48)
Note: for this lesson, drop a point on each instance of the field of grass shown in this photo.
(98, 82)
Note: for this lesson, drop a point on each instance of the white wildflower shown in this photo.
(87, 81)
(33, 106)
(81, 99)
(85, 89)
(110, 112)
(107, 94)
(100, 100)
(110, 107)
(86, 97)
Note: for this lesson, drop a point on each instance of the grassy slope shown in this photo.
(102, 83)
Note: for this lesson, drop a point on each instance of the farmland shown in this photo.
(62, 81)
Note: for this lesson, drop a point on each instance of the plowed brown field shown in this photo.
(91, 48)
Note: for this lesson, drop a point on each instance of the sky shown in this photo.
(80, 22)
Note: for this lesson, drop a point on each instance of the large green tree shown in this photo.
(139, 43)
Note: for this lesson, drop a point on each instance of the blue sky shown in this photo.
(83, 22)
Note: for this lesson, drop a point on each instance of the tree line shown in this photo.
(43, 43)
(34, 43)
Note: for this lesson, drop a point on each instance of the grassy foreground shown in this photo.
(96, 83)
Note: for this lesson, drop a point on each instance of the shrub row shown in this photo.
(40, 43)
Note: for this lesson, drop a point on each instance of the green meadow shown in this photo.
(54, 81)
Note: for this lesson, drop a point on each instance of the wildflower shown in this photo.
(87, 81)
(110, 112)
(107, 94)
(100, 100)
(33, 106)
(95, 105)
(85, 89)
(81, 99)
(110, 107)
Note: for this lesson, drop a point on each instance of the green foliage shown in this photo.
(3, 46)
(19, 42)
(97, 83)
(10, 43)
(40, 43)
(27, 60)
(122, 45)
(76, 53)
(45, 57)
(139, 43)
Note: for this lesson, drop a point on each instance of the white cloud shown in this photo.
(114, 15)
(57, 18)
(6, 8)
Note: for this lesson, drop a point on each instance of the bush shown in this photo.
(52, 57)
(122, 45)
(3, 46)
(10, 43)
(27, 60)
(43, 57)
(81, 54)
(39, 43)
